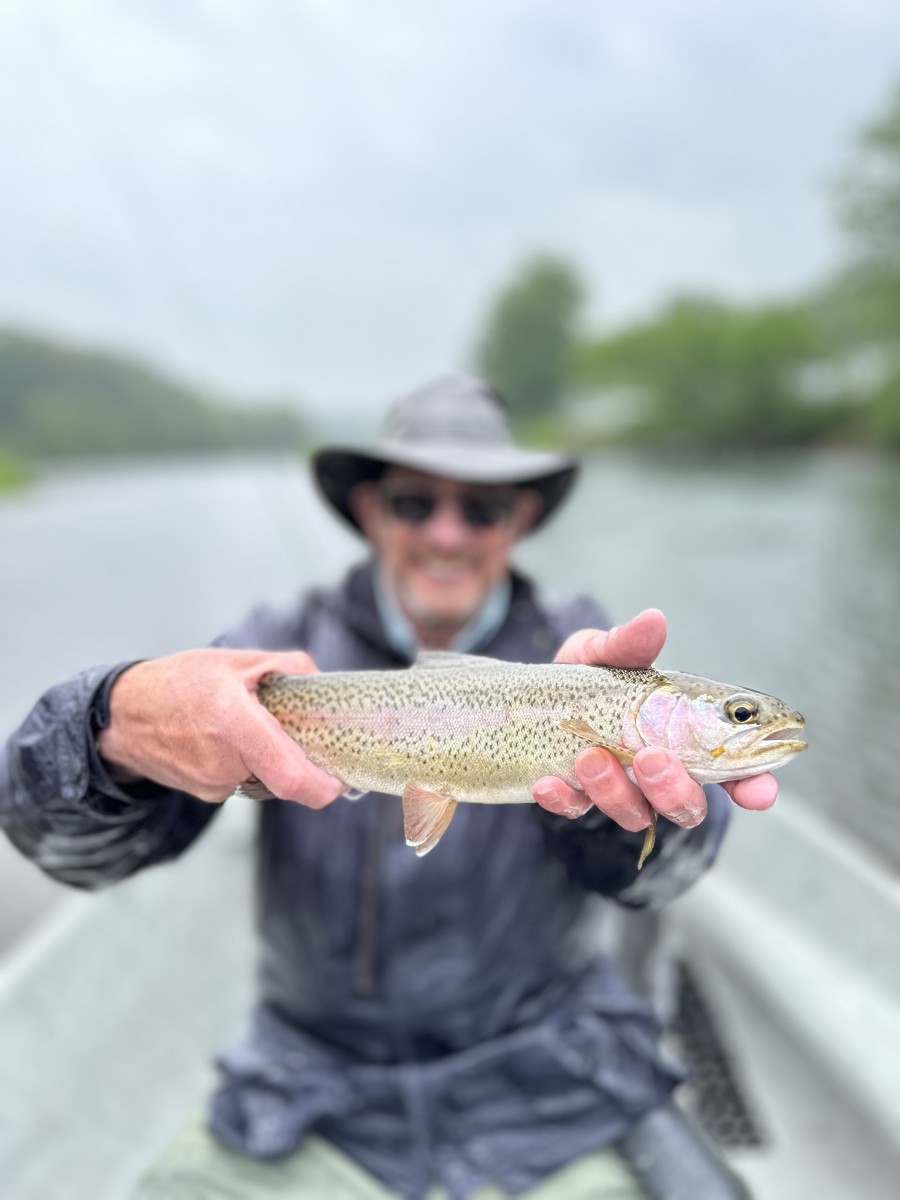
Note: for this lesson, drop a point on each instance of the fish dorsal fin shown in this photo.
(426, 816)
(452, 658)
(580, 729)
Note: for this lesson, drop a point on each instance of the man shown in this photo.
(421, 1022)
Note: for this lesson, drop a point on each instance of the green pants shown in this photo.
(197, 1167)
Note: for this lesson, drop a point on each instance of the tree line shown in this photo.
(705, 372)
(58, 401)
(700, 372)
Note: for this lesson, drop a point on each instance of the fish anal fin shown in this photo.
(426, 816)
(580, 729)
(254, 789)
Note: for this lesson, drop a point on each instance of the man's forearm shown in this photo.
(60, 805)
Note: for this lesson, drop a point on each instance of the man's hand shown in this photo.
(663, 783)
(192, 721)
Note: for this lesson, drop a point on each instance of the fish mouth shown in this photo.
(781, 740)
(752, 751)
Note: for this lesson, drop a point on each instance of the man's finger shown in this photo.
(611, 790)
(557, 797)
(756, 792)
(288, 662)
(668, 787)
(634, 644)
(278, 762)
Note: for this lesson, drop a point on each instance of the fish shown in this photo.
(458, 728)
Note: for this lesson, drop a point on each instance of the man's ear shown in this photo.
(364, 504)
(527, 510)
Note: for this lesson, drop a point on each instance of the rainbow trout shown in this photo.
(455, 727)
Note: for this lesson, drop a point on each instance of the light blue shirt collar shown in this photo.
(483, 625)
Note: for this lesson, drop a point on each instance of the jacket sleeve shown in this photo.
(59, 804)
(61, 808)
(602, 857)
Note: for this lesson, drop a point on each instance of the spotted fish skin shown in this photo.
(483, 731)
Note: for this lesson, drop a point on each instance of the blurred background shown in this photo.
(670, 235)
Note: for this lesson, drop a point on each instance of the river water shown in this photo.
(782, 575)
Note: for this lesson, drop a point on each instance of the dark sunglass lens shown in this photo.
(482, 511)
(411, 507)
(478, 512)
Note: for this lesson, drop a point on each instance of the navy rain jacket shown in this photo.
(438, 1019)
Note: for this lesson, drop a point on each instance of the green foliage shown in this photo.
(529, 336)
(56, 401)
(866, 293)
(869, 210)
(883, 414)
(13, 471)
(713, 374)
(702, 373)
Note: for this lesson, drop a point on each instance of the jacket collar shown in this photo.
(361, 611)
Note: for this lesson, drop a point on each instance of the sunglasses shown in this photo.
(477, 511)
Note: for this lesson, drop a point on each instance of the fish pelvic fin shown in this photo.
(580, 729)
(649, 840)
(426, 816)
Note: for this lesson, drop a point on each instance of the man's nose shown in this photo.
(447, 526)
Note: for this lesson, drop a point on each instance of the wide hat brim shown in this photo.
(338, 469)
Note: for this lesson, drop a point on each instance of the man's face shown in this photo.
(443, 544)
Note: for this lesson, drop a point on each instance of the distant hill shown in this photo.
(59, 401)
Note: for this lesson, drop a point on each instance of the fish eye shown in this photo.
(741, 710)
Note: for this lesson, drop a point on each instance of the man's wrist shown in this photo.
(99, 722)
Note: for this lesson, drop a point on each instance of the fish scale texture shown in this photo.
(482, 732)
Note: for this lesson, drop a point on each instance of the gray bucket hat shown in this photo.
(455, 427)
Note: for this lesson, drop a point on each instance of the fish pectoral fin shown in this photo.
(426, 816)
(580, 729)
(253, 789)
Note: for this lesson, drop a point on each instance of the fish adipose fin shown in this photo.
(426, 816)
(581, 729)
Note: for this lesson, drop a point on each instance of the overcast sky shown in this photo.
(321, 196)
